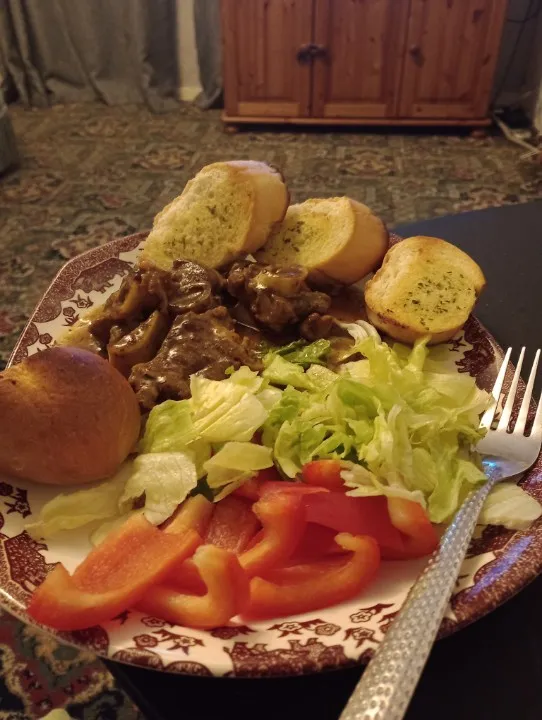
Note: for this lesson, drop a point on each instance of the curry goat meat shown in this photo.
(161, 326)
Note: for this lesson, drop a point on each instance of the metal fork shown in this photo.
(388, 683)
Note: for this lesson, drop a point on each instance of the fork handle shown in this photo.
(388, 683)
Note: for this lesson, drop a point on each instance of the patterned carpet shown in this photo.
(91, 172)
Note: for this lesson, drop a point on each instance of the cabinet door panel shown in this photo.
(364, 41)
(450, 57)
(261, 38)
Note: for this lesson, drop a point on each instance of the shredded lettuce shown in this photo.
(235, 463)
(312, 354)
(269, 397)
(170, 428)
(364, 483)
(164, 480)
(279, 371)
(80, 508)
(409, 429)
(360, 330)
(224, 410)
(509, 505)
(160, 480)
(321, 376)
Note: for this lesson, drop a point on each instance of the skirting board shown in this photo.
(187, 93)
(235, 120)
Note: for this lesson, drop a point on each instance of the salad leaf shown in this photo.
(455, 477)
(170, 428)
(269, 397)
(303, 426)
(242, 456)
(509, 505)
(247, 378)
(224, 410)
(281, 372)
(79, 508)
(360, 330)
(364, 483)
(286, 449)
(285, 349)
(312, 354)
(410, 429)
(321, 376)
(164, 479)
(235, 463)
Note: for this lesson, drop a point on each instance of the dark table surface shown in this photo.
(491, 670)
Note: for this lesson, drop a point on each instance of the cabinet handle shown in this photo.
(417, 55)
(309, 51)
(303, 54)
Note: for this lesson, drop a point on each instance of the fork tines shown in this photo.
(504, 420)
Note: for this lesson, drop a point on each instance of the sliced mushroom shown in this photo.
(139, 295)
(140, 345)
(285, 281)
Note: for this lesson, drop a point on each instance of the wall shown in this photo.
(188, 61)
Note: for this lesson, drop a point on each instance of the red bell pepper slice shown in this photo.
(341, 513)
(315, 587)
(195, 513)
(271, 487)
(302, 572)
(113, 577)
(355, 515)
(323, 473)
(233, 524)
(227, 593)
(400, 526)
(185, 577)
(283, 518)
(419, 536)
(316, 543)
(251, 488)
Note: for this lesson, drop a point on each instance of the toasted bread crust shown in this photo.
(357, 248)
(425, 287)
(270, 201)
(406, 335)
(263, 196)
(363, 252)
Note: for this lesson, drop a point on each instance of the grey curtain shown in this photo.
(8, 148)
(116, 51)
(208, 41)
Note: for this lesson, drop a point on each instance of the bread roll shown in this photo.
(426, 286)
(226, 210)
(334, 238)
(67, 418)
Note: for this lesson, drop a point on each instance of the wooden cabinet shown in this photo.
(360, 74)
(450, 58)
(262, 39)
(360, 61)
